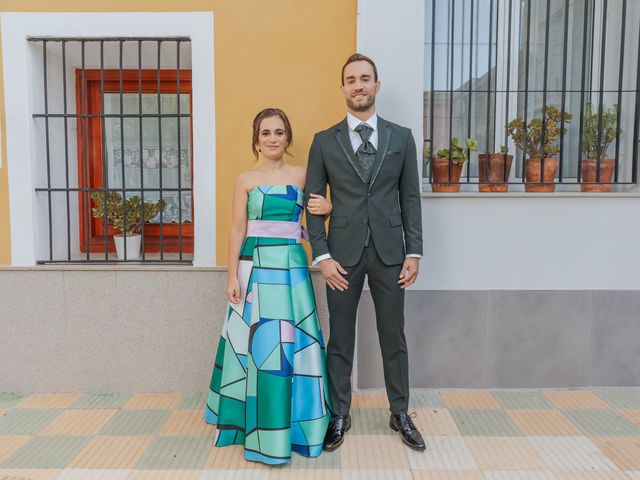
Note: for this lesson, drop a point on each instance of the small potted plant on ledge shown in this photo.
(136, 215)
(494, 171)
(447, 165)
(538, 140)
(594, 147)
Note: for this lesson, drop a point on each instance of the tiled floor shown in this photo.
(471, 435)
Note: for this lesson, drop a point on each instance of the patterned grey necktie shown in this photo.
(366, 152)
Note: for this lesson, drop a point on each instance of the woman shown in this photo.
(268, 390)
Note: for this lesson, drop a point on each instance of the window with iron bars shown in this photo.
(113, 146)
(494, 66)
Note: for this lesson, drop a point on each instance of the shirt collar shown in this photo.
(354, 121)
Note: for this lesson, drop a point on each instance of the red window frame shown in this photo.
(94, 151)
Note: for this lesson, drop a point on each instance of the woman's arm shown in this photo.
(237, 233)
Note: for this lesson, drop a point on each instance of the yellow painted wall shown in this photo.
(285, 53)
(5, 233)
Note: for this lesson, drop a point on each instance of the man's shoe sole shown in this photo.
(335, 447)
(394, 427)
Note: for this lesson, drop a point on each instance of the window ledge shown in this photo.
(629, 194)
(116, 267)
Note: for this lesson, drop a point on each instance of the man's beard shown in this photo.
(363, 106)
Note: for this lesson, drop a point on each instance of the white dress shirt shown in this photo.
(356, 141)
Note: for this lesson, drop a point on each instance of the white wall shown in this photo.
(23, 74)
(564, 241)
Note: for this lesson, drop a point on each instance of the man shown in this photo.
(375, 229)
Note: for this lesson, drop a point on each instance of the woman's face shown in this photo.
(272, 138)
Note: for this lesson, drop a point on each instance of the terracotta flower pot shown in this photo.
(495, 180)
(441, 174)
(588, 174)
(532, 175)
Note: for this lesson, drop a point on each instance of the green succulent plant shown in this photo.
(458, 153)
(591, 147)
(539, 137)
(116, 208)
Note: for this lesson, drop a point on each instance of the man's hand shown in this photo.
(332, 272)
(409, 272)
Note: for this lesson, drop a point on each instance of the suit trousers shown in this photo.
(388, 299)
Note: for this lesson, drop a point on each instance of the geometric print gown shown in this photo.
(268, 389)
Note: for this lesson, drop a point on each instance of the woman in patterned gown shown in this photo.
(268, 390)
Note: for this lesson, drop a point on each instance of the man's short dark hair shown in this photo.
(358, 57)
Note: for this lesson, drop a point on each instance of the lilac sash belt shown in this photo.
(276, 229)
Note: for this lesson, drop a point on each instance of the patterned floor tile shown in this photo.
(118, 452)
(435, 421)
(575, 399)
(136, 422)
(230, 458)
(248, 474)
(520, 475)
(9, 400)
(78, 422)
(373, 452)
(425, 398)
(590, 475)
(370, 421)
(469, 399)
(571, 453)
(521, 399)
(374, 398)
(443, 453)
(80, 474)
(633, 474)
(326, 461)
(541, 423)
(375, 475)
(26, 421)
(294, 474)
(602, 423)
(164, 475)
(625, 452)
(176, 453)
(47, 452)
(29, 474)
(631, 414)
(9, 444)
(148, 401)
(447, 475)
(187, 422)
(48, 400)
(504, 453)
(622, 397)
(102, 400)
(484, 423)
(193, 401)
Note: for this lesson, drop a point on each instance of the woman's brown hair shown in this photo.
(268, 113)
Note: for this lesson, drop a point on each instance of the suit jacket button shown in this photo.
(365, 220)
(368, 194)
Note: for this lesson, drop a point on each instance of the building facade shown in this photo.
(517, 288)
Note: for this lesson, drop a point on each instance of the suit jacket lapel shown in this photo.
(384, 135)
(342, 137)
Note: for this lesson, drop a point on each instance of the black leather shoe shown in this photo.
(410, 435)
(338, 427)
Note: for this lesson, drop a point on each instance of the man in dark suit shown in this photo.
(375, 228)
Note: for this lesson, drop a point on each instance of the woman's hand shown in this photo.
(233, 290)
(318, 205)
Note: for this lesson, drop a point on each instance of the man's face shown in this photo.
(359, 86)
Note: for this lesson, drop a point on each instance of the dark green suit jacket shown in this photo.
(389, 205)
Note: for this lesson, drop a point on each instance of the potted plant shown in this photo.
(538, 140)
(447, 165)
(136, 215)
(494, 171)
(594, 148)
